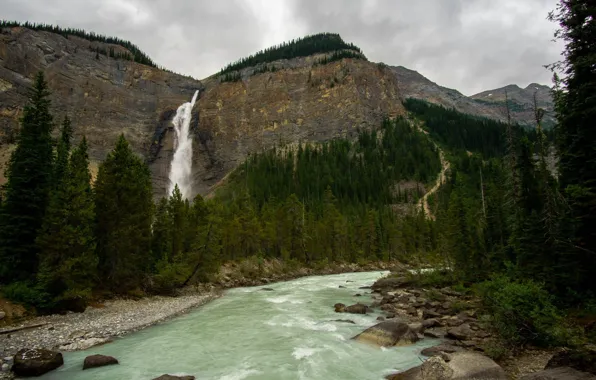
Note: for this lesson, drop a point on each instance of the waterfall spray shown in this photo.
(180, 171)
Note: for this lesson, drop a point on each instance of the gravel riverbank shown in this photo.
(97, 325)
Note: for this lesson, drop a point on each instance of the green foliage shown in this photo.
(339, 55)
(26, 293)
(135, 55)
(496, 350)
(26, 194)
(301, 47)
(575, 106)
(523, 312)
(124, 208)
(68, 261)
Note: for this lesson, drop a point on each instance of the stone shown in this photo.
(436, 333)
(388, 334)
(417, 327)
(441, 348)
(357, 295)
(342, 287)
(172, 377)
(428, 323)
(94, 361)
(460, 365)
(356, 309)
(36, 362)
(561, 373)
(380, 318)
(345, 321)
(463, 332)
(263, 289)
(391, 283)
(427, 314)
(339, 307)
(365, 287)
(390, 315)
(583, 359)
(2, 315)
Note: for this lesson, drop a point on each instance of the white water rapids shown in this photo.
(288, 333)
(180, 170)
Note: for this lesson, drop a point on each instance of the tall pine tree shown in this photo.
(576, 135)
(124, 209)
(29, 175)
(68, 261)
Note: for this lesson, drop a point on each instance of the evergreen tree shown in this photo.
(63, 152)
(29, 175)
(576, 136)
(68, 261)
(123, 200)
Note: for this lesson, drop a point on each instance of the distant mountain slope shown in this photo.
(489, 104)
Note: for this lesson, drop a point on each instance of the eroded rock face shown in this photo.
(388, 334)
(36, 362)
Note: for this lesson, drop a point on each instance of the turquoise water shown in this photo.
(288, 333)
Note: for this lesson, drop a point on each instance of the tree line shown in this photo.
(136, 55)
(300, 47)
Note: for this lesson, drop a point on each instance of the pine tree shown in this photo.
(68, 261)
(29, 175)
(575, 105)
(161, 238)
(124, 206)
(63, 152)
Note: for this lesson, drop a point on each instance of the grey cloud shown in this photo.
(470, 45)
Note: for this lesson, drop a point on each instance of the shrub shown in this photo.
(26, 294)
(523, 312)
(169, 277)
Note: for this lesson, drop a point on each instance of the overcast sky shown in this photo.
(469, 45)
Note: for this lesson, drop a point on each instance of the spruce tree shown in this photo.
(29, 175)
(68, 261)
(575, 105)
(63, 152)
(124, 206)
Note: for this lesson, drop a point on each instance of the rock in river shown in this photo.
(353, 309)
(36, 362)
(171, 377)
(387, 334)
(94, 361)
(460, 366)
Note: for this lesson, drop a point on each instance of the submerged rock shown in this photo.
(339, 307)
(36, 362)
(94, 361)
(387, 334)
(345, 321)
(172, 377)
(353, 309)
(267, 289)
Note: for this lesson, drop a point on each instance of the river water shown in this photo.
(288, 333)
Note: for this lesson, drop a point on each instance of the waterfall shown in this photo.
(180, 171)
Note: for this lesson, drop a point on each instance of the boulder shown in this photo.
(463, 332)
(462, 365)
(580, 359)
(172, 377)
(263, 289)
(429, 313)
(441, 348)
(357, 295)
(339, 307)
(387, 334)
(390, 315)
(561, 373)
(417, 327)
(390, 283)
(356, 309)
(428, 323)
(36, 362)
(436, 333)
(2, 315)
(94, 361)
(380, 318)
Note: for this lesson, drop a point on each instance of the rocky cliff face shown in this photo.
(490, 104)
(104, 97)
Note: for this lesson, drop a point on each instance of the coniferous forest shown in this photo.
(504, 221)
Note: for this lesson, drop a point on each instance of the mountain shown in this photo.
(312, 89)
(490, 104)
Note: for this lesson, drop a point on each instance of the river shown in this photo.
(249, 333)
